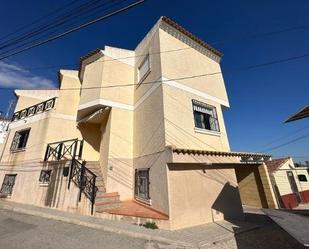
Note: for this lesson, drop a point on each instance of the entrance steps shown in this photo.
(107, 201)
(103, 200)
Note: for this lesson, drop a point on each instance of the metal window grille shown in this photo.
(205, 116)
(20, 139)
(142, 183)
(45, 176)
(8, 184)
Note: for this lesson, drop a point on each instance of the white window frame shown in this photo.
(207, 109)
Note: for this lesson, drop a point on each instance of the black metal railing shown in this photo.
(68, 149)
(35, 109)
(85, 180)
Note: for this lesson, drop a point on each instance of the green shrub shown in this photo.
(150, 225)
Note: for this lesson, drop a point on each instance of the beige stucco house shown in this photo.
(135, 133)
(290, 183)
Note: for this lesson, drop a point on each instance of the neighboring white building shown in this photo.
(4, 124)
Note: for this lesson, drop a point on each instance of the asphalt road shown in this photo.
(20, 231)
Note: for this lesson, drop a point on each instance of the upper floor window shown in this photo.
(144, 69)
(205, 116)
(302, 178)
(20, 140)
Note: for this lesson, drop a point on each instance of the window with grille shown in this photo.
(20, 140)
(144, 69)
(205, 116)
(8, 184)
(45, 176)
(142, 183)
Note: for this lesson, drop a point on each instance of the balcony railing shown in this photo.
(68, 149)
(35, 109)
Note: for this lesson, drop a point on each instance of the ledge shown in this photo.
(208, 132)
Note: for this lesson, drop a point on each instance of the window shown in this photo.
(205, 116)
(20, 140)
(142, 183)
(144, 69)
(302, 178)
(45, 176)
(8, 184)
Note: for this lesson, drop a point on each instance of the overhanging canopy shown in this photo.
(96, 117)
(303, 113)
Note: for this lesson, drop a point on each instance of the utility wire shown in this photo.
(218, 42)
(60, 19)
(285, 136)
(39, 19)
(286, 143)
(253, 36)
(96, 9)
(74, 29)
(115, 85)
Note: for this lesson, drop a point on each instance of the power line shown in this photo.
(74, 29)
(107, 60)
(248, 37)
(114, 85)
(60, 19)
(39, 19)
(286, 143)
(60, 23)
(285, 136)
(253, 36)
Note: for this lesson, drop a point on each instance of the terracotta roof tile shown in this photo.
(218, 153)
(189, 34)
(275, 164)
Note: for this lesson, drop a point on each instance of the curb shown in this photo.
(96, 226)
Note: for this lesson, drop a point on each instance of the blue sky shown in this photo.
(261, 99)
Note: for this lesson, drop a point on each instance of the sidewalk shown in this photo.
(195, 237)
(296, 225)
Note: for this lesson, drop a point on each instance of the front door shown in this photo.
(293, 186)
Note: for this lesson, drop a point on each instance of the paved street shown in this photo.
(21, 231)
(30, 232)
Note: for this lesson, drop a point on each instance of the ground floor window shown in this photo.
(142, 183)
(8, 184)
(45, 176)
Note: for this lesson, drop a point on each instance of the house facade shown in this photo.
(140, 128)
(290, 183)
(4, 125)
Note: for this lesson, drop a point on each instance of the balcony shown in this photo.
(64, 150)
(35, 109)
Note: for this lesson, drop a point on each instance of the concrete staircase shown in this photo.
(103, 200)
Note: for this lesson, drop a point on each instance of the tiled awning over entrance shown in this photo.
(206, 157)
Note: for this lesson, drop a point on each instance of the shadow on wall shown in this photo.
(228, 203)
(91, 134)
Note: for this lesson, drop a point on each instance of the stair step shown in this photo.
(100, 207)
(107, 197)
(103, 200)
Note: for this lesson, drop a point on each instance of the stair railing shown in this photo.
(85, 179)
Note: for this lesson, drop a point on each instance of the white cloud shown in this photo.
(12, 75)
